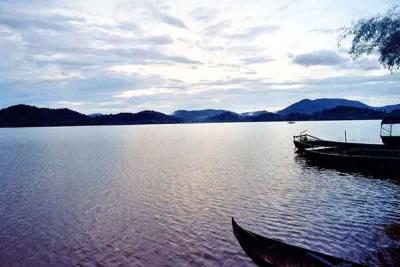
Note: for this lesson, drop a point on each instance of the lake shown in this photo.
(164, 195)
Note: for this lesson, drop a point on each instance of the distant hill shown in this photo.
(197, 115)
(30, 116)
(297, 117)
(349, 113)
(326, 109)
(24, 115)
(255, 113)
(265, 116)
(227, 116)
(307, 106)
(143, 117)
(219, 115)
(94, 115)
(388, 108)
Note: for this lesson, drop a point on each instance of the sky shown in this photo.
(127, 56)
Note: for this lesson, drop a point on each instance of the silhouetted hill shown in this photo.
(265, 116)
(227, 116)
(389, 108)
(197, 115)
(29, 116)
(307, 106)
(349, 113)
(219, 115)
(143, 117)
(26, 116)
(255, 113)
(297, 117)
(94, 115)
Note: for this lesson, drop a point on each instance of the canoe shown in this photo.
(268, 252)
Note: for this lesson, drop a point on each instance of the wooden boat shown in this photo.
(390, 141)
(268, 252)
(304, 141)
(387, 136)
(359, 159)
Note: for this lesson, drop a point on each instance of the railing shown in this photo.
(303, 137)
(311, 141)
(386, 131)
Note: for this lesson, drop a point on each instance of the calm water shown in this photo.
(164, 194)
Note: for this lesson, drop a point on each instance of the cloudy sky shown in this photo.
(111, 56)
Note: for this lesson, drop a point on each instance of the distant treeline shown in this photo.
(31, 116)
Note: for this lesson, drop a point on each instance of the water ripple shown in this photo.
(164, 195)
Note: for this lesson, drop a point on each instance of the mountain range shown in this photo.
(306, 109)
(308, 106)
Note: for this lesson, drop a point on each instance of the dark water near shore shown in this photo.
(164, 194)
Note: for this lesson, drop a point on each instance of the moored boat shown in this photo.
(388, 139)
(372, 158)
(385, 161)
(304, 141)
(268, 252)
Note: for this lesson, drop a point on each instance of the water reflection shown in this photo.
(346, 170)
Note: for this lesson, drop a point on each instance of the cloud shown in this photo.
(217, 28)
(253, 32)
(170, 20)
(326, 30)
(183, 60)
(331, 58)
(365, 63)
(118, 55)
(36, 21)
(286, 5)
(157, 39)
(319, 58)
(204, 14)
(70, 104)
(145, 92)
(256, 60)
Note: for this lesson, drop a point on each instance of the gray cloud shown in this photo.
(331, 58)
(286, 5)
(183, 60)
(30, 21)
(217, 28)
(76, 47)
(168, 19)
(253, 32)
(204, 14)
(104, 58)
(321, 58)
(158, 39)
(161, 11)
(365, 64)
(256, 60)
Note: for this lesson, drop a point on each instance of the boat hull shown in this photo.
(364, 160)
(391, 141)
(268, 252)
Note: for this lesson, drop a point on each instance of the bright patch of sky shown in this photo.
(112, 56)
